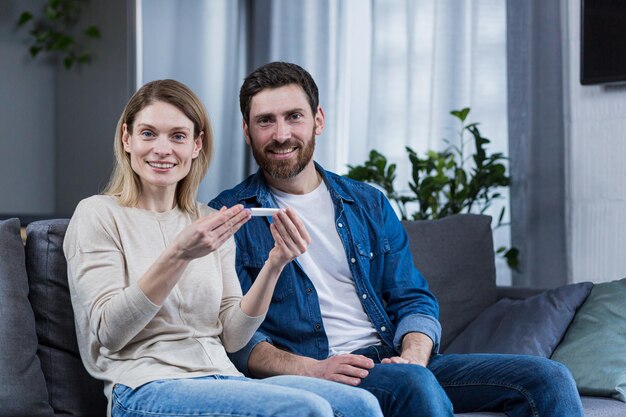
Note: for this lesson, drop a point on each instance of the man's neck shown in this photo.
(303, 183)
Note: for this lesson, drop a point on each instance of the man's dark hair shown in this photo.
(275, 75)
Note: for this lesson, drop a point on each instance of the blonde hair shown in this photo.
(124, 182)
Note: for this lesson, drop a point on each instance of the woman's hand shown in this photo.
(291, 238)
(208, 233)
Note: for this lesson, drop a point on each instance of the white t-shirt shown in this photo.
(347, 326)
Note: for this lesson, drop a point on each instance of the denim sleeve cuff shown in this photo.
(240, 358)
(420, 323)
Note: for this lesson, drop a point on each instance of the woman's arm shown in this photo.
(202, 237)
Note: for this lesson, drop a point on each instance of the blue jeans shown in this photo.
(517, 385)
(281, 396)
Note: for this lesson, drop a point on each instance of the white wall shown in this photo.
(595, 143)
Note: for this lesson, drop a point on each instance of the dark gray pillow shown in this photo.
(455, 255)
(72, 390)
(22, 387)
(533, 326)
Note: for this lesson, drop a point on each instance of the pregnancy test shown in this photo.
(257, 211)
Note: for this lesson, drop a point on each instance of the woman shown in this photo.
(151, 272)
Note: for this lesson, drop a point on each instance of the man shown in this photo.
(354, 308)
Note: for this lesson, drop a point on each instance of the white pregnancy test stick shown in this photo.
(257, 211)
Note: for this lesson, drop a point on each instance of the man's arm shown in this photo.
(267, 360)
(416, 349)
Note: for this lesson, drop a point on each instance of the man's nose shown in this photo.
(283, 131)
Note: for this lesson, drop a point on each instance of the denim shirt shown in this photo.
(392, 291)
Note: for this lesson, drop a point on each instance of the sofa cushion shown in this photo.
(594, 347)
(72, 391)
(533, 326)
(455, 255)
(23, 388)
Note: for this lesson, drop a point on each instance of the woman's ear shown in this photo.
(126, 138)
(197, 145)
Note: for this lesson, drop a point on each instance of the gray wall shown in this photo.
(58, 125)
(27, 119)
(89, 102)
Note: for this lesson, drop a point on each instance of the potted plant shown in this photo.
(447, 182)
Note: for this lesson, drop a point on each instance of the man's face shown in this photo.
(282, 131)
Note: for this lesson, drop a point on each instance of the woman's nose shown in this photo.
(162, 146)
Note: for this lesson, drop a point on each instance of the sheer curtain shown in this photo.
(389, 72)
(204, 45)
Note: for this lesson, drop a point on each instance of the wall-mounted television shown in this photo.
(602, 41)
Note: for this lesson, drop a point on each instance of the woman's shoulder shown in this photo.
(98, 202)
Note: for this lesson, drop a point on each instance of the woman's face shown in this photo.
(161, 147)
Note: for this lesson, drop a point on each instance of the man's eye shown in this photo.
(296, 116)
(264, 121)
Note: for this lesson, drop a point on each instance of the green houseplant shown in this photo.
(55, 31)
(447, 182)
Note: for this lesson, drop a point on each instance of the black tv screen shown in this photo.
(603, 41)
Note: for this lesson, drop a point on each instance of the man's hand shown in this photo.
(266, 360)
(416, 349)
(347, 368)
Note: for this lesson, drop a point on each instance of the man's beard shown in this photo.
(283, 169)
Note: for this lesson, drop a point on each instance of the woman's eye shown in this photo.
(179, 137)
(147, 134)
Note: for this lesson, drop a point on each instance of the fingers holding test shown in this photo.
(290, 233)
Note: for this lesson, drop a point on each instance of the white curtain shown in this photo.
(389, 73)
(201, 43)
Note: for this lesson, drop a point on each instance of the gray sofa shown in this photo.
(41, 368)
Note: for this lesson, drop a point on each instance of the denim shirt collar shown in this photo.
(259, 190)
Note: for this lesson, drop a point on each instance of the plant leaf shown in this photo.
(24, 17)
(93, 32)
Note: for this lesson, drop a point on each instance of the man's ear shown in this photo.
(246, 131)
(126, 138)
(319, 120)
(197, 145)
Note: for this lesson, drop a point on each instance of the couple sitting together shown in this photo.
(333, 320)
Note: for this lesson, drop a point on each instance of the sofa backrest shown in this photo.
(455, 255)
(71, 390)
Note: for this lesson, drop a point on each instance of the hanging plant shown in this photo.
(54, 31)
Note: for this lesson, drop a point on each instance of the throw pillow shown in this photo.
(23, 388)
(594, 347)
(533, 326)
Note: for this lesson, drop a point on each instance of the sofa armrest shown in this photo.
(517, 293)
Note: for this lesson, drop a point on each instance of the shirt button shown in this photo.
(317, 326)
(340, 224)
(371, 254)
(383, 328)
(364, 296)
(353, 260)
(309, 290)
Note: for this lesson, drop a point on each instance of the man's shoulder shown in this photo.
(354, 189)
